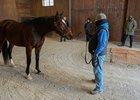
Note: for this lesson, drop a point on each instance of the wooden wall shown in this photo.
(117, 12)
(8, 9)
(59, 5)
(23, 8)
(80, 11)
(114, 9)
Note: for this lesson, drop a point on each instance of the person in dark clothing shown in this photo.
(63, 38)
(129, 29)
(99, 54)
(88, 29)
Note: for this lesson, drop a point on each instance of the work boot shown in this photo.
(96, 91)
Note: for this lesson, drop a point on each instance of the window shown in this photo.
(47, 2)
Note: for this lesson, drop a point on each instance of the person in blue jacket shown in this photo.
(100, 52)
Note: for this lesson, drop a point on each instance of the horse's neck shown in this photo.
(43, 30)
(43, 25)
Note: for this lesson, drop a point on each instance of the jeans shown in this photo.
(124, 39)
(98, 71)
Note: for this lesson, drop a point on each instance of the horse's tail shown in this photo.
(5, 52)
(4, 48)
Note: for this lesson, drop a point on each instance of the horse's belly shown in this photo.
(16, 41)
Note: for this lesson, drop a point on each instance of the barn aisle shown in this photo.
(65, 76)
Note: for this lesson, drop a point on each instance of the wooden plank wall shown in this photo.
(23, 8)
(114, 9)
(59, 5)
(8, 9)
(14, 9)
(81, 10)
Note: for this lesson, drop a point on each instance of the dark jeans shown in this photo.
(124, 39)
(88, 37)
(63, 38)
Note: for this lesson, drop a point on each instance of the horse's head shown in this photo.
(61, 26)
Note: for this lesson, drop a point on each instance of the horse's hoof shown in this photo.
(38, 72)
(14, 66)
(28, 77)
(12, 63)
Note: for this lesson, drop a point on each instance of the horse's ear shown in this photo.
(61, 14)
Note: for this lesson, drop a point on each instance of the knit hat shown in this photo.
(101, 16)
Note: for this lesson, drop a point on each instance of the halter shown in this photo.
(57, 26)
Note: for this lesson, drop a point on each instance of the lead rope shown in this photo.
(86, 56)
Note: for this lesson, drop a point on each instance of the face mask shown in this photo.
(130, 18)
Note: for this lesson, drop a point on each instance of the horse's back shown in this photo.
(15, 32)
(3, 25)
(7, 22)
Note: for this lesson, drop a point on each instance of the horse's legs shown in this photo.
(37, 51)
(28, 56)
(10, 54)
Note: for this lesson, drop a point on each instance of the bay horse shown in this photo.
(30, 34)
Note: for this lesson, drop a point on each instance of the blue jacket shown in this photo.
(102, 37)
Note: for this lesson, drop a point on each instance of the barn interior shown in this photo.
(65, 75)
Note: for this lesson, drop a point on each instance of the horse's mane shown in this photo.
(40, 24)
(39, 20)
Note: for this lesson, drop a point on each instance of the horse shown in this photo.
(31, 35)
